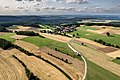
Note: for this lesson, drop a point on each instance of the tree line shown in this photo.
(28, 33)
(106, 43)
(5, 44)
(29, 74)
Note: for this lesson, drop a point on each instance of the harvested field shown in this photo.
(24, 28)
(11, 69)
(41, 69)
(90, 42)
(101, 27)
(75, 69)
(103, 31)
(98, 58)
(95, 45)
(56, 37)
(27, 46)
(108, 49)
(114, 54)
(2, 33)
(18, 36)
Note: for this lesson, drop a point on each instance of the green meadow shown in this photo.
(96, 72)
(82, 33)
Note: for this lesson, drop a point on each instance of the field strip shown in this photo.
(70, 70)
(56, 37)
(40, 68)
(98, 58)
(27, 46)
(79, 65)
(90, 42)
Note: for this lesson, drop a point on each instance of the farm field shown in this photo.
(40, 68)
(98, 58)
(114, 39)
(99, 73)
(75, 69)
(10, 69)
(40, 42)
(7, 36)
(18, 36)
(56, 37)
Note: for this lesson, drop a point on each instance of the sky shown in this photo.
(59, 7)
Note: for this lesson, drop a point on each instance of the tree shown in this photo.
(66, 61)
(77, 34)
(73, 35)
(108, 34)
(82, 43)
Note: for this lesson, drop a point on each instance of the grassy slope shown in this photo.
(96, 72)
(7, 37)
(51, 44)
(116, 61)
(82, 33)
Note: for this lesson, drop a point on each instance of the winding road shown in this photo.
(76, 52)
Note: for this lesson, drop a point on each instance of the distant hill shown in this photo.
(50, 19)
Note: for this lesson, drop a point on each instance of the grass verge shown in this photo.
(96, 72)
(116, 61)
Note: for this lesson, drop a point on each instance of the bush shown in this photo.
(117, 57)
(4, 44)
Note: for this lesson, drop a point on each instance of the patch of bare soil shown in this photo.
(108, 49)
(18, 36)
(2, 33)
(114, 54)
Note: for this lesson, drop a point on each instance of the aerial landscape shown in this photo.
(59, 40)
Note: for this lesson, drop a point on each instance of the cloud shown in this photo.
(20, 7)
(29, 0)
(6, 6)
(70, 9)
(60, 1)
(77, 1)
